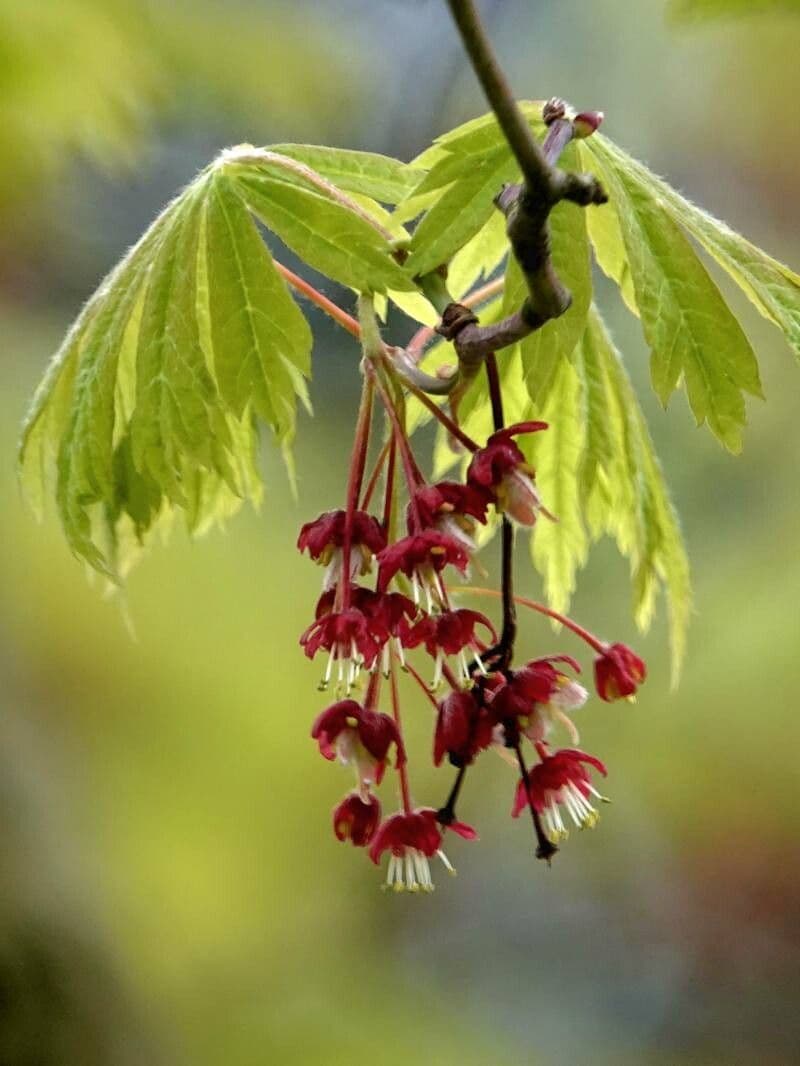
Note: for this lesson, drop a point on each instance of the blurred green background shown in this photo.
(170, 890)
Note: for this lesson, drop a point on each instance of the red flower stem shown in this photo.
(353, 327)
(410, 669)
(375, 475)
(495, 392)
(509, 631)
(388, 498)
(562, 619)
(453, 429)
(447, 814)
(373, 689)
(358, 462)
(409, 466)
(402, 771)
(544, 848)
(416, 346)
(322, 302)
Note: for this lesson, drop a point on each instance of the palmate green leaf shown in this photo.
(559, 548)
(85, 442)
(461, 211)
(691, 332)
(466, 168)
(260, 340)
(608, 244)
(773, 288)
(479, 258)
(149, 405)
(603, 470)
(174, 389)
(597, 471)
(479, 134)
(319, 224)
(640, 241)
(623, 490)
(384, 179)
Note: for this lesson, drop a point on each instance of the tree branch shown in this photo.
(527, 207)
(517, 132)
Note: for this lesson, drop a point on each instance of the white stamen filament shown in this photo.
(429, 598)
(437, 673)
(411, 871)
(452, 529)
(332, 571)
(578, 807)
(327, 678)
(569, 725)
(437, 577)
(415, 587)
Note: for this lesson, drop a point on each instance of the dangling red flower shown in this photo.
(451, 508)
(538, 695)
(422, 557)
(618, 672)
(324, 537)
(451, 633)
(560, 779)
(500, 468)
(356, 818)
(349, 639)
(390, 615)
(360, 737)
(464, 727)
(412, 839)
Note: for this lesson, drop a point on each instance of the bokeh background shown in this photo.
(170, 890)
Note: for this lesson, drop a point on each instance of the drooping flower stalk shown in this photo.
(402, 772)
(534, 605)
(358, 464)
(482, 695)
(374, 477)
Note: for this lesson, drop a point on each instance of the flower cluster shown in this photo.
(387, 591)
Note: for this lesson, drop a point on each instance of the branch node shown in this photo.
(454, 318)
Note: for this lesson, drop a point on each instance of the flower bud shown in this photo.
(618, 672)
(586, 123)
(356, 819)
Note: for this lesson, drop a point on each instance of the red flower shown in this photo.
(537, 682)
(560, 779)
(422, 557)
(538, 695)
(451, 508)
(464, 727)
(358, 736)
(389, 613)
(324, 537)
(347, 636)
(450, 633)
(412, 839)
(356, 818)
(500, 469)
(618, 672)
